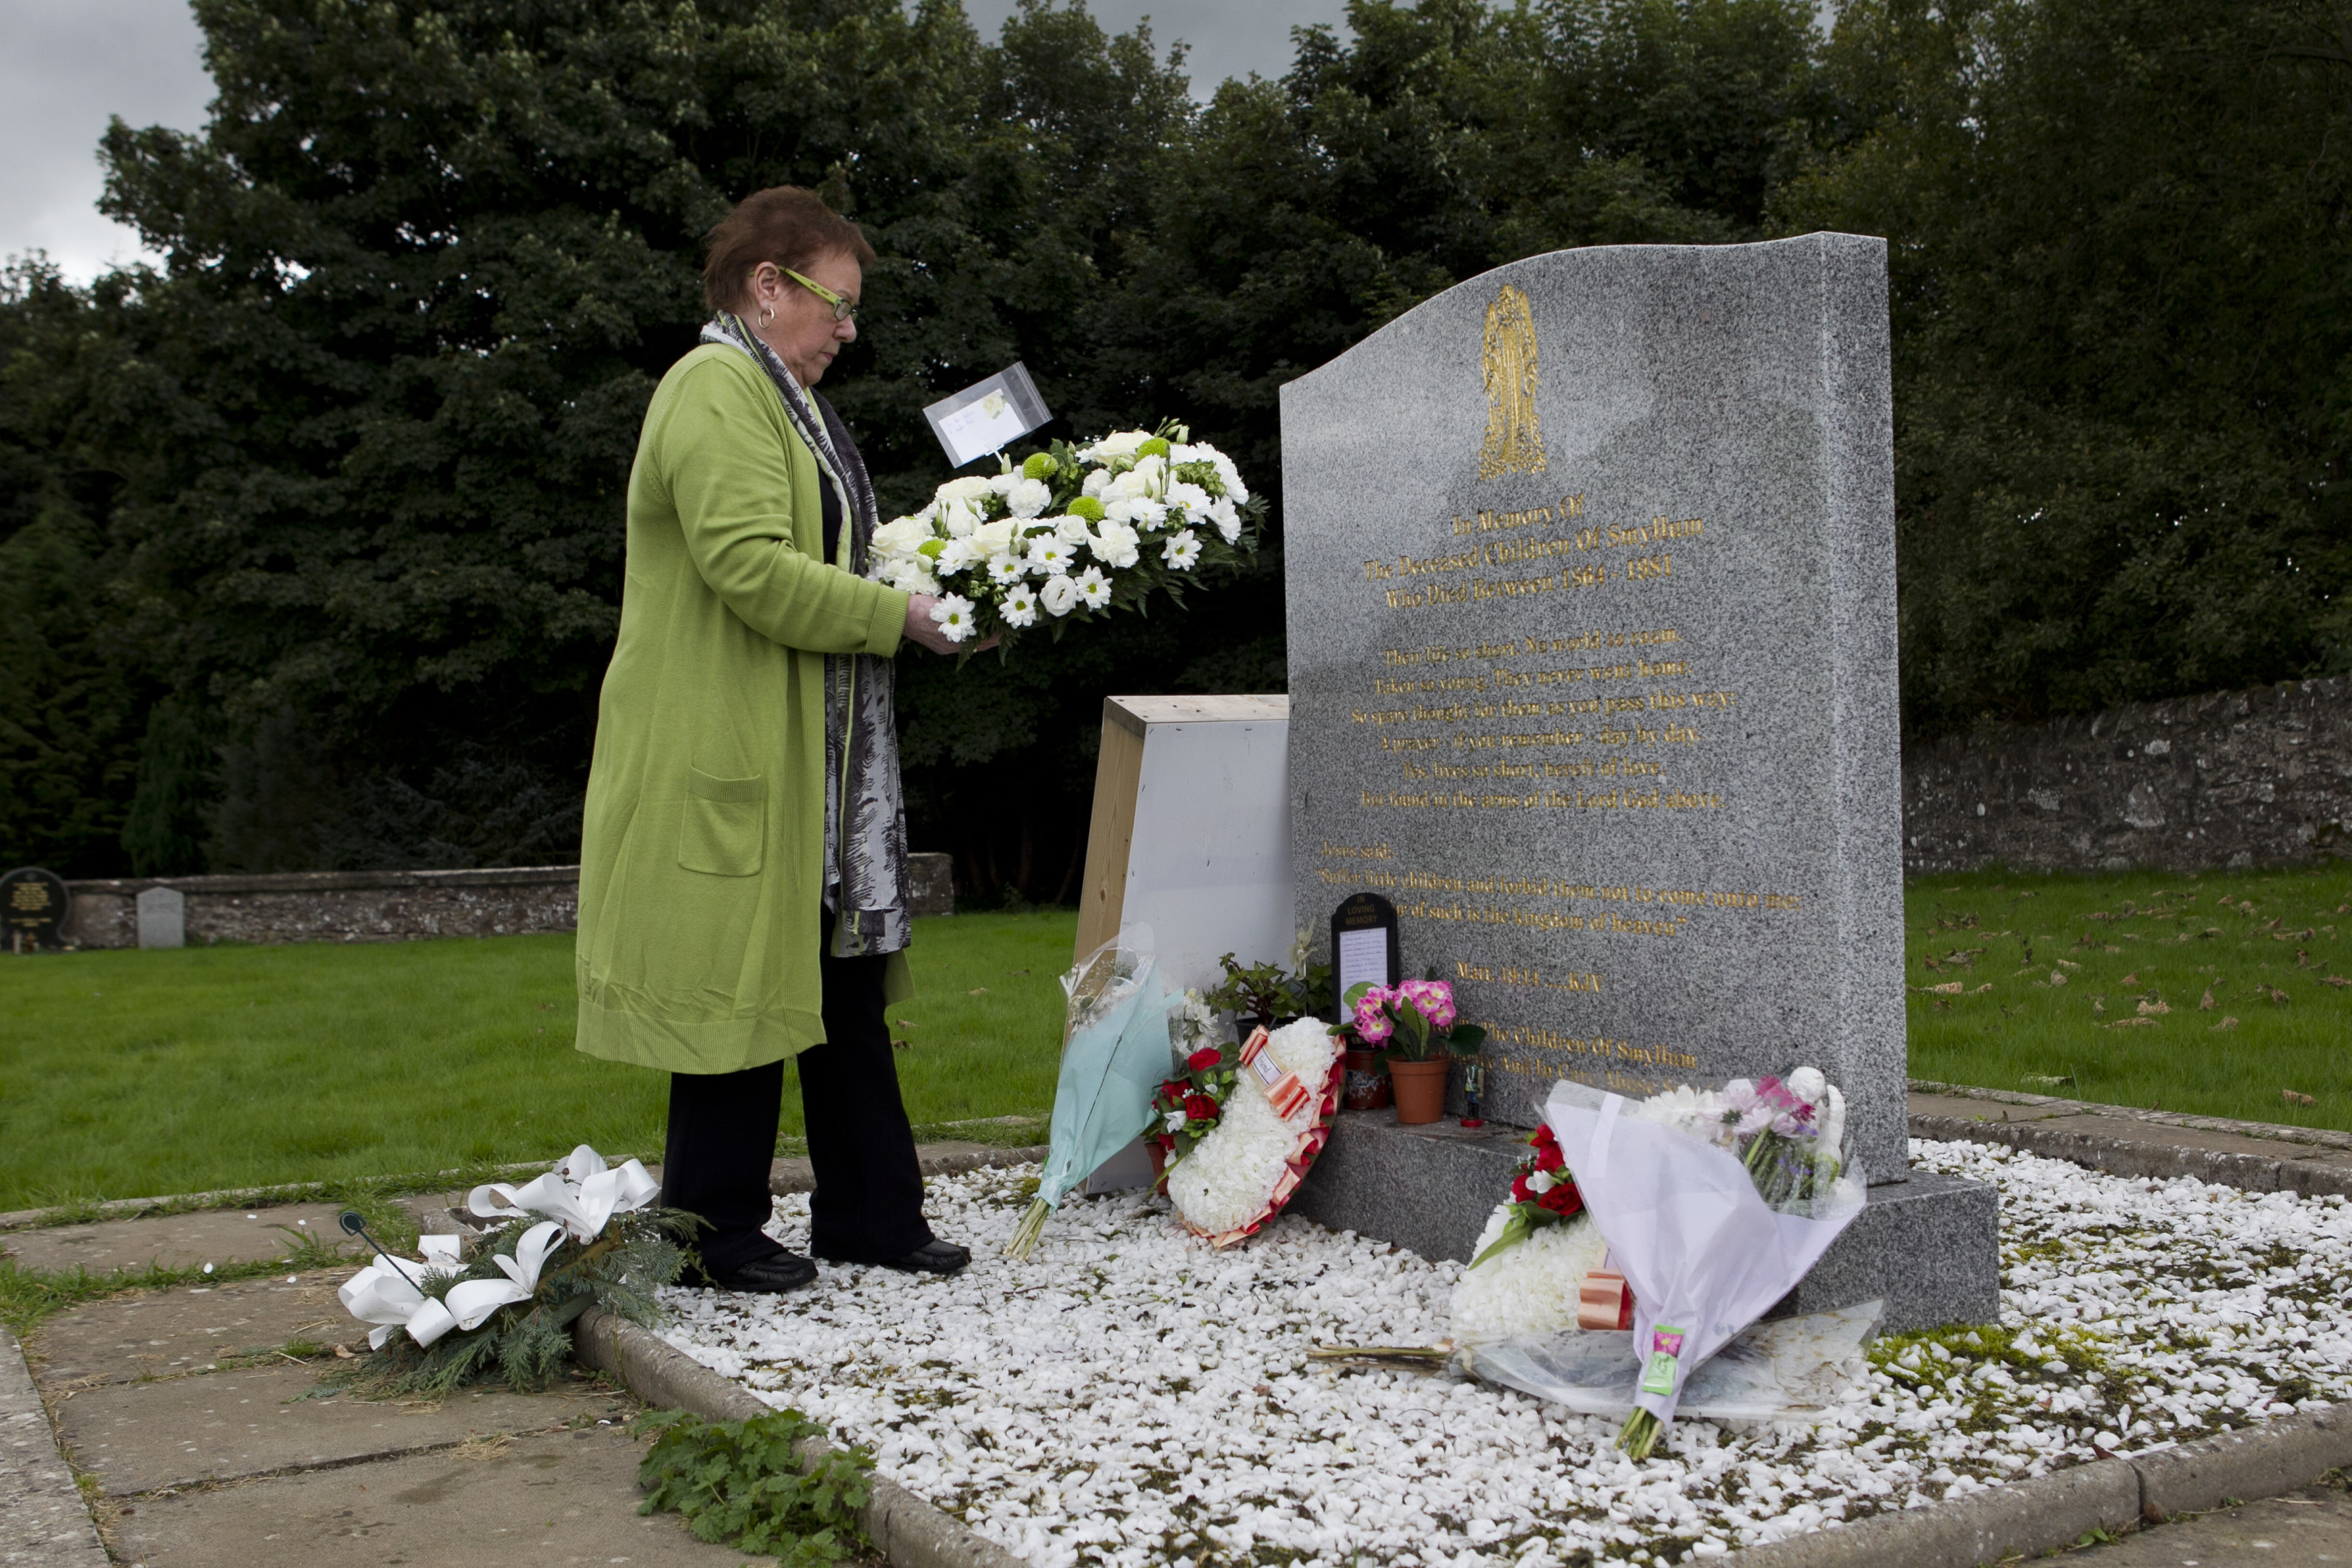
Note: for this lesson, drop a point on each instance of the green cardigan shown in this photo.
(702, 849)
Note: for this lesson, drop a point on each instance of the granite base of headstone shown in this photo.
(1429, 1189)
(1590, 577)
(163, 917)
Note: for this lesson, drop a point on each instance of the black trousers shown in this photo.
(869, 1204)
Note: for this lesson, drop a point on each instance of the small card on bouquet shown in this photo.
(987, 415)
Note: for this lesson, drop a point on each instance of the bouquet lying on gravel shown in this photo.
(503, 1303)
(1075, 531)
(1715, 1203)
(1539, 1265)
(1273, 1122)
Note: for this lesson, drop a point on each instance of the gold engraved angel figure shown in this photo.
(1514, 438)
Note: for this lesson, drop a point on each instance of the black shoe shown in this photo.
(772, 1275)
(933, 1257)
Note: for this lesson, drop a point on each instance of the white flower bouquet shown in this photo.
(1075, 531)
(1713, 1202)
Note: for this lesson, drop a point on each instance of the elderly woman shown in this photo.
(743, 860)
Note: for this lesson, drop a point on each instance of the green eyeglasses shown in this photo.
(843, 310)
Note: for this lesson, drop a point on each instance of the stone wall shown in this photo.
(378, 905)
(2238, 778)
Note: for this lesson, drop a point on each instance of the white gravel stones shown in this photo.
(1126, 1396)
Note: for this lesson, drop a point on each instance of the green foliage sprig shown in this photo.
(527, 1343)
(746, 1483)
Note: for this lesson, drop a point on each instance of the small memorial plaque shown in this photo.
(1363, 946)
(34, 904)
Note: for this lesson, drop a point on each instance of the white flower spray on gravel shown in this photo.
(1129, 1397)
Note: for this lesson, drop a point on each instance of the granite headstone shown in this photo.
(1591, 581)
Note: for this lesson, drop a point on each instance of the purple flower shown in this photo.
(1434, 998)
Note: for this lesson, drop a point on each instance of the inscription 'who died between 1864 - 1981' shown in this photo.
(1590, 577)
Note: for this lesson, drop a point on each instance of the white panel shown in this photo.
(1209, 869)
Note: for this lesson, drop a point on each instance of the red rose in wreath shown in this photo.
(1203, 1060)
(1200, 1108)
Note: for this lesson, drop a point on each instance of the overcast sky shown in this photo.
(67, 65)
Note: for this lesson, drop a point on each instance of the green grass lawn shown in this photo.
(130, 1074)
(2097, 987)
(133, 1074)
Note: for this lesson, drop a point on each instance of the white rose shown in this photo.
(901, 536)
(1071, 531)
(967, 490)
(1060, 594)
(1152, 474)
(1096, 482)
(958, 518)
(993, 538)
(1122, 443)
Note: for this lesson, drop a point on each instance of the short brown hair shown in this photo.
(784, 224)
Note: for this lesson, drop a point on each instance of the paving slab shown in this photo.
(2311, 1526)
(44, 1523)
(210, 1427)
(173, 1241)
(557, 1498)
(157, 1333)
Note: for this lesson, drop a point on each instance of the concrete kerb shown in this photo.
(44, 1523)
(2130, 1157)
(908, 1531)
(2057, 1510)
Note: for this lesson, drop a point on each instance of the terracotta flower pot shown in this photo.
(1419, 1090)
(1367, 1090)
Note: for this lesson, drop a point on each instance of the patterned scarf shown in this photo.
(865, 844)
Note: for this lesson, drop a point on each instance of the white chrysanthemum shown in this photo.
(1059, 596)
(1096, 482)
(1188, 502)
(1028, 498)
(959, 554)
(1229, 1177)
(1051, 556)
(1183, 549)
(1228, 520)
(1119, 444)
(1529, 1288)
(1115, 545)
(1140, 512)
(1020, 606)
(1094, 587)
(1228, 475)
(911, 576)
(1003, 569)
(953, 616)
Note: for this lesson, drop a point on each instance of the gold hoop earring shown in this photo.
(767, 314)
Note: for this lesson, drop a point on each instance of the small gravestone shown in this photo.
(34, 904)
(163, 917)
(1363, 946)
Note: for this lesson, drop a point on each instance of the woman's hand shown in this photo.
(921, 628)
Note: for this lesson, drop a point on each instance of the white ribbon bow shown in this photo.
(583, 1192)
(385, 1293)
(466, 1307)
